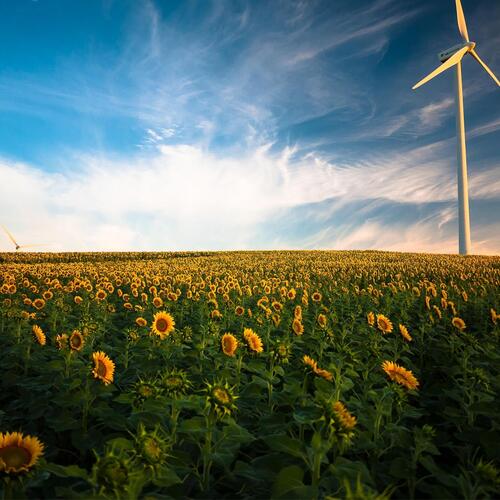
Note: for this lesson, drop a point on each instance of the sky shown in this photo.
(243, 124)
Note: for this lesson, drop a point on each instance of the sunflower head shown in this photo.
(400, 375)
(153, 446)
(112, 471)
(216, 314)
(458, 323)
(18, 453)
(229, 344)
(38, 303)
(140, 321)
(344, 417)
(104, 368)
(239, 311)
(254, 342)
(145, 389)
(175, 383)
(310, 362)
(322, 320)
(494, 316)
(370, 317)
(297, 312)
(316, 297)
(163, 324)
(297, 326)
(282, 352)
(62, 341)
(220, 398)
(404, 332)
(39, 335)
(384, 324)
(76, 341)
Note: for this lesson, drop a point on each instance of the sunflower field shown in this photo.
(315, 374)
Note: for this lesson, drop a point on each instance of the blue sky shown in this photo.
(150, 125)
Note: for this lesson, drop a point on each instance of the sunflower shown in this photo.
(229, 344)
(320, 372)
(384, 324)
(297, 327)
(140, 321)
(38, 303)
(404, 332)
(428, 302)
(277, 306)
(316, 297)
(400, 375)
(47, 295)
(297, 312)
(347, 421)
(76, 341)
(39, 335)
(220, 397)
(216, 314)
(104, 368)
(313, 365)
(494, 316)
(370, 317)
(458, 323)
(322, 320)
(283, 352)
(128, 305)
(276, 319)
(163, 324)
(61, 341)
(18, 453)
(101, 295)
(437, 311)
(78, 299)
(291, 293)
(175, 383)
(157, 302)
(253, 340)
(239, 311)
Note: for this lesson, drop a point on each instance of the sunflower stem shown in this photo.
(207, 452)
(18, 333)
(27, 358)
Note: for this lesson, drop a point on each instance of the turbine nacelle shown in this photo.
(446, 54)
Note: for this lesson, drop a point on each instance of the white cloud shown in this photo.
(432, 115)
(185, 197)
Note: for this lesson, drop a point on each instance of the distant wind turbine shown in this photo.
(453, 57)
(11, 238)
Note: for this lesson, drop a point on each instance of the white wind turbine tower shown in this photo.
(453, 57)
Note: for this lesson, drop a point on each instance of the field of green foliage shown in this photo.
(306, 375)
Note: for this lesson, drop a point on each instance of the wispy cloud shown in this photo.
(186, 197)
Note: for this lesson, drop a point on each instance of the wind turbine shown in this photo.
(15, 242)
(453, 57)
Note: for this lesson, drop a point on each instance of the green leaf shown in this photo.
(66, 471)
(289, 479)
(195, 425)
(286, 445)
(166, 477)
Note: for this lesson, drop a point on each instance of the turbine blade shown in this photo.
(37, 245)
(10, 236)
(462, 27)
(475, 55)
(454, 59)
